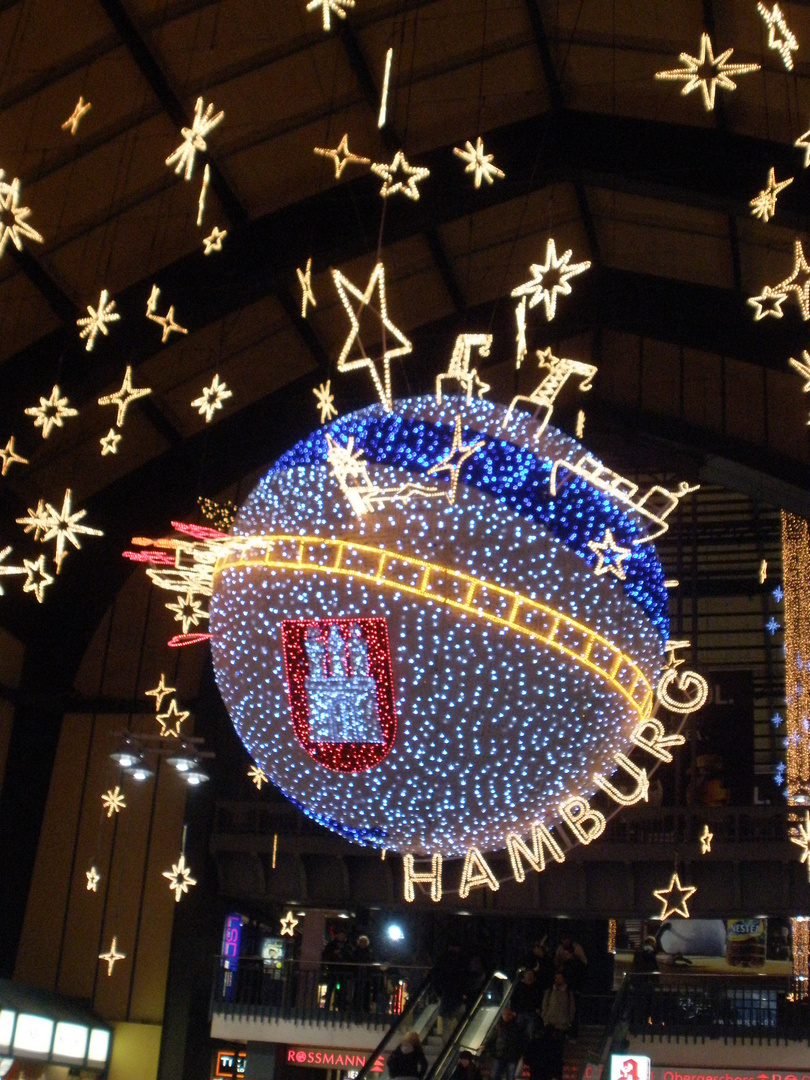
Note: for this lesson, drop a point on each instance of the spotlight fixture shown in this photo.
(126, 757)
(195, 777)
(183, 761)
(139, 770)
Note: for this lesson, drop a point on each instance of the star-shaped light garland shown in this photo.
(288, 925)
(410, 176)
(113, 801)
(37, 520)
(211, 399)
(258, 776)
(341, 155)
(93, 878)
(51, 412)
(769, 302)
(109, 442)
(112, 956)
(326, 403)
(705, 72)
(13, 217)
(213, 242)
(328, 6)
(124, 397)
(8, 571)
(611, 556)
(455, 458)
(550, 278)
(305, 281)
(478, 162)
(803, 368)
(188, 611)
(179, 878)
(9, 457)
(682, 894)
(799, 280)
(803, 840)
(159, 692)
(706, 838)
(194, 138)
(38, 578)
(785, 43)
(167, 320)
(764, 205)
(97, 320)
(172, 720)
(63, 526)
(81, 108)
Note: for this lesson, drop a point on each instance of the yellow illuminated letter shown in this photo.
(432, 877)
(658, 744)
(584, 823)
(476, 872)
(639, 775)
(536, 858)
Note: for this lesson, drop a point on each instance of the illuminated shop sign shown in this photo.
(328, 1058)
(225, 1064)
(629, 1067)
(671, 1072)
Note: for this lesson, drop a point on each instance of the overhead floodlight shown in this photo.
(126, 757)
(183, 762)
(395, 932)
(139, 770)
(195, 777)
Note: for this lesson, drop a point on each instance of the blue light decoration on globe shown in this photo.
(506, 672)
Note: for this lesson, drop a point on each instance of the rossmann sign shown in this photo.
(324, 1058)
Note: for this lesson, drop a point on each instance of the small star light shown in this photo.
(51, 412)
(706, 72)
(777, 720)
(455, 458)
(167, 320)
(799, 281)
(388, 173)
(803, 840)
(63, 526)
(93, 878)
(772, 625)
(328, 6)
(97, 319)
(342, 156)
(213, 242)
(764, 205)
(288, 925)
(194, 138)
(211, 399)
(38, 578)
(706, 838)
(13, 223)
(112, 956)
(80, 109)
(779, 37)
(187, 611)
(769, 302)
(478, 162)
(8, 571)
(681, 893)
(113, 801)
(803, 369)
(172, 720)
(305, 281)
(109, 442)
(326, 403)
(179, 878)
(124, 397)
(778, 594)
(611, 555)
(9, 457)
(550, 278)
(258, 776)
(159, 692)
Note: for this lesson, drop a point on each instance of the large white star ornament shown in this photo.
(38, 578)
(400, 176)
(13, 217)
(339, 7)
(768, 303)
(326, 403)
(112, 956)
(8, 571)
(124, 397)
(211, 399)
(9, 457)
(681, 894)
(706, 72)
(763, 206)
(114, 801)
(159, 692)
(611, 556)
(194, 138)
(478, 162)
(63, 526)
(288, 925)
(51, 412)
(550, 278)
(98, 319)
(341, 156)
(179, 878)
(188, 611)
(172, 720)
(780, 39)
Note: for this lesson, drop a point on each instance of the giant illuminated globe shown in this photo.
(427, 675)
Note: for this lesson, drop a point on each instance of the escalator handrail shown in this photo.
(413, 1004)
(438, 1069)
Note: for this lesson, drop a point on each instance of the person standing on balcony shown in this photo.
(364, 975)
(408, 1060)
(336, 956)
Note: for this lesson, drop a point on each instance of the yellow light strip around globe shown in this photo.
(446, 585)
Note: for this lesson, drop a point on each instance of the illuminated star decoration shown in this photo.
(13, 217)
(377, 280)
(342, 156)
(288, 925)
(167, 320)
(305, 281)
(803, 368)
(112, 956)
(258, 776)
(211, 399)
(399, 165)
(779, 774)
(171, 721)
(610, 556)
(159, 692)
(179, 878)
(113, 801)
(328, 6)
(187, 611)
(37, 520)
(803, 840)
(706, 838)
(93, 878)
(550, 278)
(778, 594)
(455, 458)
(38, 578)
(63, 526)
(124, 397)
(194, 138)
(674, 891)
(51, 412)
(785, 43)
(777, 720)
(706, 72)
(764, 205)
(109, 442)
(8, 571)
(81, 108)
(478, 162)
(97, 319)
(326, 403)
(772, 625)
(9, 457)
(214, 241)
(799, 281)
(763, 571)
(769, 302)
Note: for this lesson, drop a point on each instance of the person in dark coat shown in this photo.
(467, 1067)
(409, 1058)
(451, 981)
(336, 957)
(542, 965)
(526, 1000)
(506, 1044)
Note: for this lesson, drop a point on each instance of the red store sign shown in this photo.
(327, 1058)
(668, 1072)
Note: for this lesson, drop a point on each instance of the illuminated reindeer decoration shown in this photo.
(559, 370)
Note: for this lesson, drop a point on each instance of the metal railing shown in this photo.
(336, 994)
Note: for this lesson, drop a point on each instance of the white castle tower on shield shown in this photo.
(341, 692)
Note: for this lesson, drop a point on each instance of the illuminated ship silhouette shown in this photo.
(341, 692)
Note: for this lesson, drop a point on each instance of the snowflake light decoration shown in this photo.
(706, 72)
(9, 457)
(159, 692)
(188, 611)
(305, 281)
(109, 442)
(8, 571)
(772, 625)
(778, 594)
(51, 412)
(610, 555)
(550, 278)
(112, 956)
(13, 217)
(172, 720)
(780, 39)
(194, 138)
(326, 403)
(38, 578)
(763, 206)
(211, 399)
(179, 878)
(779, 774)
(63, 526)
(769, 302)
(673, 898)
(80, 109)
(258, 776)
(341, 155)
(777, 720)
(124, 397)
(455, 457)
(478, 162)
(339, 7)
(213, 242)
(400, 176)
(93, 878)
(98, 319)
(113, 801)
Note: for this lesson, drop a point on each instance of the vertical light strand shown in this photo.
(389, 56)
(796, 585)
(611, 942)
(275, 849)
(800, 952)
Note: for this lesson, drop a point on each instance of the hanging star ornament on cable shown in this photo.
(194, 138)
(112, 956)
(339, 7)
(706, 838)
(780, 39)
(179, 878)
(803, 840)
(376, 281)
(341, 156)
(159, 692)
(769, 302)
(673, 898)
(63, 526)
(611, 556)
(8, 571)
(93, 878)
(109, 442)
(478, 162)
(167, 320)
(38, 578)
(763, 206)
(288, 925)
(113, 801)
(551, 278)
(214, 241)
(9, 457)
(51, 412)
(258, 776)
(400, 176)
(124, 397)
(172, 720)
(706, 72)
(81, 109)
(212, 399)
(455, 458)
(326, 403)
(98, 319)
(13, 217)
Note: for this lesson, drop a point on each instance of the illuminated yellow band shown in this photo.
(446, 585)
